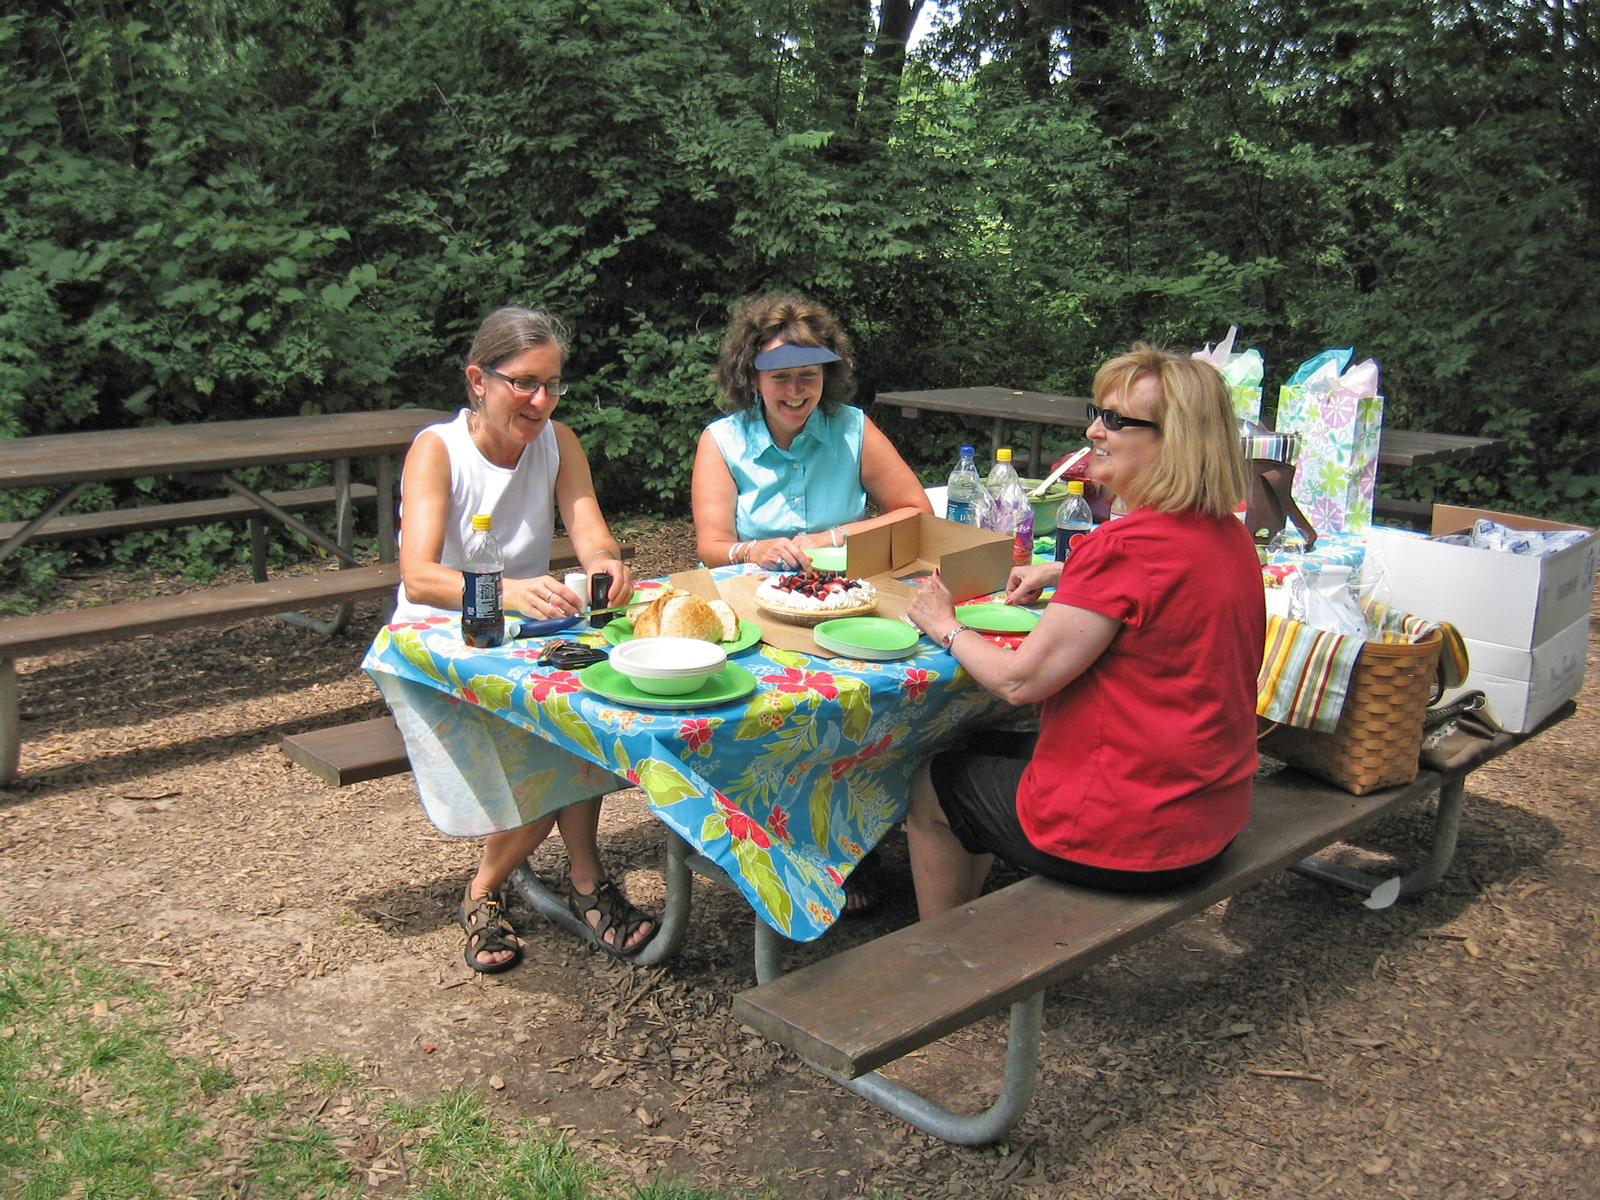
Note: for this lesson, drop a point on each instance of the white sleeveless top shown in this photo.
(520, 502)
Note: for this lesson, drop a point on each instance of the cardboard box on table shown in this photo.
(972, 562)
(1525, 619)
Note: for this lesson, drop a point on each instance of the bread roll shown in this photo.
(729, 619)
(690, 617)
(681, 614)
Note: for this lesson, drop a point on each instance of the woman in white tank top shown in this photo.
(504, 455)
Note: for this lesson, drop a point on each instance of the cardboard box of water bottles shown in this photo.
(1525, 619)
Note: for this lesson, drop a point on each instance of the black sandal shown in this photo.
(488, 932)
(864, 887)
(616, 916)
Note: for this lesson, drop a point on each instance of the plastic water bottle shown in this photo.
(1013, 511)
(483, 616)
(1073, 520)
(964, 486)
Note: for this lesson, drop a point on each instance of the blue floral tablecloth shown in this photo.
(786, 789)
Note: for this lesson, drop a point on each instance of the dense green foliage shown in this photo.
(219, 208)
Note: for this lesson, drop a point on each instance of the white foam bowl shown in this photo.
(668, 666)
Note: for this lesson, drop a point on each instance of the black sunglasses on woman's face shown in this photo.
(1115, 421)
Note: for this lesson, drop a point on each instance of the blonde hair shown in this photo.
(1199, 465)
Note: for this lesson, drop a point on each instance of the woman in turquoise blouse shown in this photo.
(792, 467)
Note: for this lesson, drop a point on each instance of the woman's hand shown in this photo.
(933, 609)
(543, 598)
(1026, 583)
(782, 554)
(621, 580)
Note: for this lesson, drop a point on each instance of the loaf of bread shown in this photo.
(682, 614)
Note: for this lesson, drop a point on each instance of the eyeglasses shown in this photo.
(1115, 421)
(528, 387)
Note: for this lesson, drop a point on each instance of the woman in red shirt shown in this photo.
(1145, 665)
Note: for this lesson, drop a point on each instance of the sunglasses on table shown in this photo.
(527, 387)
(1114, 421)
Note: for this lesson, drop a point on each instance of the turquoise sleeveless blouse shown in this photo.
(812, 486)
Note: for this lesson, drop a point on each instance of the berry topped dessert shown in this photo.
(811, 596)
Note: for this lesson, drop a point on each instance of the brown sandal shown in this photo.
(617, 918)
(488, 932)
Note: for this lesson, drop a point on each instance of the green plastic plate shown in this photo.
(877, 639)
(728, 684)
(621, 630)
(828, 558)
(997, 618)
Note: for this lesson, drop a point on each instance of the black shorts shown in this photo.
(977, 788)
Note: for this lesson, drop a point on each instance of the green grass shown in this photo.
(94, 1106)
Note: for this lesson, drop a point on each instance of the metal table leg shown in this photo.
(768, 941)
(1016, 1091)
(1381, 893)
(674, 919)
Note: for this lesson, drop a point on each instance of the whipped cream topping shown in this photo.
(803, 592)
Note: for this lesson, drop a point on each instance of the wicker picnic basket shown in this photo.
(1378, 739)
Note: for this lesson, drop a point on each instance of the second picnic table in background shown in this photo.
(211, 451)
(1401, 448)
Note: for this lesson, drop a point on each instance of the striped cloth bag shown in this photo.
(1305, 672)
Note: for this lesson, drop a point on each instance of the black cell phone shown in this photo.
(570, 656)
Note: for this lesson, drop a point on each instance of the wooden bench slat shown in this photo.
(350, 753)
(41, 633)
(868, 1006)
(188, 512)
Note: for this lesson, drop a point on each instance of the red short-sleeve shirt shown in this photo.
(1144, 761)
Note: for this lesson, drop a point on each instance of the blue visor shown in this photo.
(788, 355)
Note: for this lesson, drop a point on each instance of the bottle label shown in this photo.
(958, 510)
(1022, 542)
(1068, 538)
(480, 596)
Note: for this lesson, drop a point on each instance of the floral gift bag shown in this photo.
(1241, 371)
(1338, 414)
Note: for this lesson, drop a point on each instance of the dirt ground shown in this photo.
(1288, 1043)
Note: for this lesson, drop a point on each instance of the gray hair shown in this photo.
(509, 331)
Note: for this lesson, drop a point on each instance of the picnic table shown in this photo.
(1396, 447)
(781, 792)
(212, 453)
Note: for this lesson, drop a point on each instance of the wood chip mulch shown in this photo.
(1288, 1043)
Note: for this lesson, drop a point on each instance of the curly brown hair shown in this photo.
(799, 322)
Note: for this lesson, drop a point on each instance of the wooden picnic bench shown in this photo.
(859, 1010)
(1401, 448)
(44, 633)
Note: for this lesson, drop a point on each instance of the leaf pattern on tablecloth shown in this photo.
(490, 691)
(558, 707)
(855, 698)
(409, 643)
(663, 782)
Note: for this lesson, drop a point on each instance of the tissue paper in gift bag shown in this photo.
(1338, 414)
(1241, 371)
